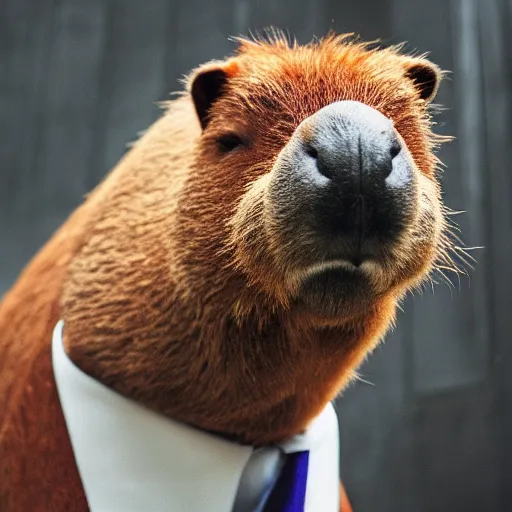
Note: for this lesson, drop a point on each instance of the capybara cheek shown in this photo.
(252, 241)
(423, 244)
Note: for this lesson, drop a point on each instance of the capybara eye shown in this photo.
(229, 142)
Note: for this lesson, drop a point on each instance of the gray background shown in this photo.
(80, 78)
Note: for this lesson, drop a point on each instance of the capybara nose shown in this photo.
(347, 179)
(361, 180)
(353, 144)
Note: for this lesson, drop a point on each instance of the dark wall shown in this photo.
(80, 78)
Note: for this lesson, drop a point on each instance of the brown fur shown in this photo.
(174, 295)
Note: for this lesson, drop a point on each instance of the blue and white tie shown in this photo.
(289, 493)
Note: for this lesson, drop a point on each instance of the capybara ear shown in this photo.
(207, 83)
(425, 76)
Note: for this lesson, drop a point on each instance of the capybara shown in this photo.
(239, 263)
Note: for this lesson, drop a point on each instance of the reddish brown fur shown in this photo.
(174, 297)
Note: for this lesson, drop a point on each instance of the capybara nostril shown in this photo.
(311, 151)
(395, 149)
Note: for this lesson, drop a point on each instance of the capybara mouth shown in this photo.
(330, 287)
(335, 288)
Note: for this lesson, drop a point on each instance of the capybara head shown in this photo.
(253, 246)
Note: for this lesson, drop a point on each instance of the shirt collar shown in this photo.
(131, 458)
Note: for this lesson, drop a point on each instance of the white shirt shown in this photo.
(132, 459)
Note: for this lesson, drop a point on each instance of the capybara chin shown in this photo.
(244, 257)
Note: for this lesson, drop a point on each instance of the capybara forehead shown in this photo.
(305, 78)
(278, 85)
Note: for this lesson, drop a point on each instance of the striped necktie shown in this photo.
(289, 493)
